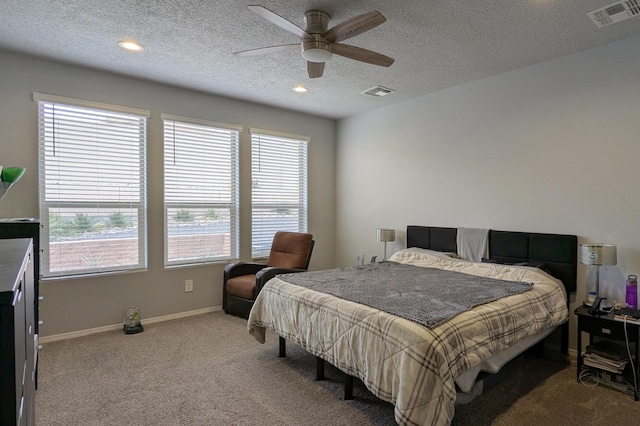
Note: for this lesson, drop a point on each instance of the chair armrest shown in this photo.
(242, 268)
(267, 273)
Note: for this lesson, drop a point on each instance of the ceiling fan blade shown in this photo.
(279, 21)
(362, 55)
(271, 49)
(354, 26)
(315, 69)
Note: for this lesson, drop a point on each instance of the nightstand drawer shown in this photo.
(611, 329)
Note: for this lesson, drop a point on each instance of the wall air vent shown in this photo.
(377, 91)
(615, 12)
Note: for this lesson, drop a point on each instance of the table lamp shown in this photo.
(385, 235)
(8, 177)
(598, 254)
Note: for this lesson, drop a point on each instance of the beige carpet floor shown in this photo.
(207, 370)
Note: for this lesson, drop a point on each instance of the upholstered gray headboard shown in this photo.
(558, 252)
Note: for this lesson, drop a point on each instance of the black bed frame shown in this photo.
(558, 252)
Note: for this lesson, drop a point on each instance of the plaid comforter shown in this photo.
(402, 362)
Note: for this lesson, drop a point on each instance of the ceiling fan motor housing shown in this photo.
(317, 21)
(316, 49)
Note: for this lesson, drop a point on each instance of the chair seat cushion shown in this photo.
(243, 286)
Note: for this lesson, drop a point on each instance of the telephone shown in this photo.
(595, 307)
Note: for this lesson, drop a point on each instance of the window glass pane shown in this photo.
(92, 239)
(201, 192)
(278, 190)
(198, 233)
(92, 189)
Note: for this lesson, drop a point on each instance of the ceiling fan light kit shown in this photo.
(319, 43)
(316, 51)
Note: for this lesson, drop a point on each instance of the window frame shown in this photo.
(46, 204)
(233, 205)
(259, 251)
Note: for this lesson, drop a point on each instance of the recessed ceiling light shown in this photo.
(130, 45)
(300, 89)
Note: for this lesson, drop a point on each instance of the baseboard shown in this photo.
(72, 335)
(89, 331)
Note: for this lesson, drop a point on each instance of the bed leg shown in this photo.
(283, 347)
(564, 344)
(348, 387)
(319, 368)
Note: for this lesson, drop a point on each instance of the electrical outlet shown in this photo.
(188, 286)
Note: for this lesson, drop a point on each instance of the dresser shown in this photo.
(27, 228)
(19, 349)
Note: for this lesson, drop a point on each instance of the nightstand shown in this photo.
(606, 326)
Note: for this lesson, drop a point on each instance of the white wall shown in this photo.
(553, 147)
(84, 303)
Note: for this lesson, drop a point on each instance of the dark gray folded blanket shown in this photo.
(427, 296)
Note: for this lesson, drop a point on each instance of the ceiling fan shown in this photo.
(319, 43)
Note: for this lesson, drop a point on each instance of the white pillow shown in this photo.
(417, 250)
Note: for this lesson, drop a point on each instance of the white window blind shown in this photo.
(200, 190)
(278, 187)
(92, 186)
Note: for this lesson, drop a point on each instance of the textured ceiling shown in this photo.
(436, 44)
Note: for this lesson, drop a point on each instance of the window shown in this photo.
(200, 190)
(278, 187)
(92, 186)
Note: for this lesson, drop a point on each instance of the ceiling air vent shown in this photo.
(615, 12)
(377, 91)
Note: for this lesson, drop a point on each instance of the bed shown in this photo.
(421, 369)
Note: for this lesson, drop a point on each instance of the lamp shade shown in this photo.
(12, 174)
(8, 177)
(598, 254)
(386, 234)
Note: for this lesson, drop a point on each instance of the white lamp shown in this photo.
(385, 235)
(598, 254)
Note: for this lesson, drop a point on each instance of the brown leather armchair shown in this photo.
(290, 252)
